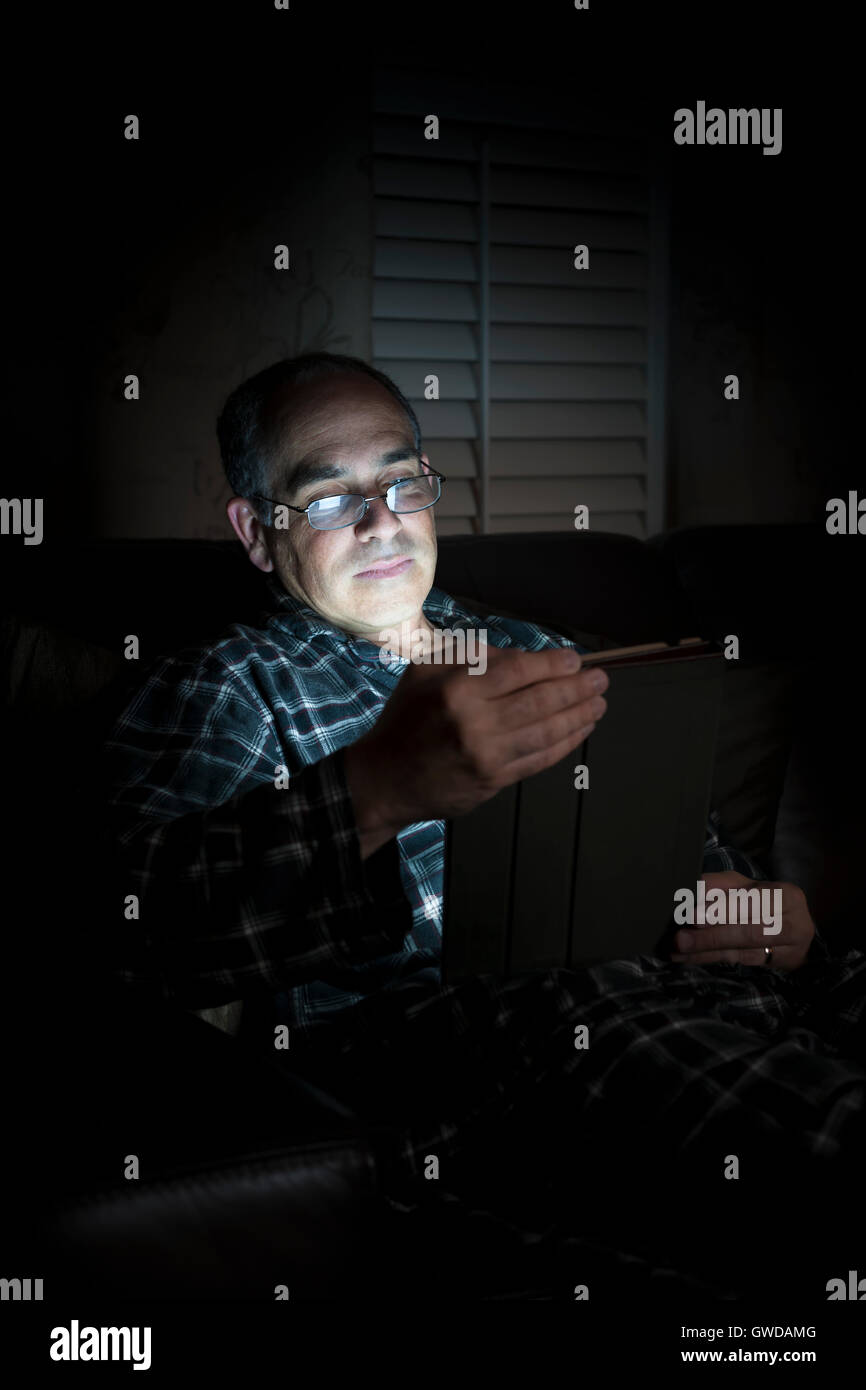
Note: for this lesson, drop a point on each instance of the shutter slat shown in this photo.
(453, 457)
(544, 188)
(555, 420)
(624, 523)
(537, 343)
(536, 304)
(413, 299)
(425, 260)
(567, 458)
(417, 342)
(528, 497)
(397, 91)
(415, 178)
(445, 420)
(568, 350)
(399, 135)
(457, 381)
(547, 382)
(427, 220)
(558, 150)
(526, 381)
(519, 265)
(457, 499)
(531, 227)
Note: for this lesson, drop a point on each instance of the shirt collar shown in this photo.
(303, 622)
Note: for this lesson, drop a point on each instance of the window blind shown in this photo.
(551, 379)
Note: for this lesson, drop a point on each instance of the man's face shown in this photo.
(353, 429)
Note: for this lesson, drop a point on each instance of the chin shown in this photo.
(392, 609)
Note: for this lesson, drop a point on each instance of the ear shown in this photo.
(250, 532)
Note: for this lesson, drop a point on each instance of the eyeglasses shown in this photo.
(346, 509)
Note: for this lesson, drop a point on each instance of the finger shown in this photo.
(539, 740)
(728, 878)
(537, 705)
(732, 956)
(794, 901)
(528, 765)
(455, 640)
(792, 895)
(509, 669)
(728, 936)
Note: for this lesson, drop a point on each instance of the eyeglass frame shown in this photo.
(366, 500)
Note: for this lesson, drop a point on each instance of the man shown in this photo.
(277, 804)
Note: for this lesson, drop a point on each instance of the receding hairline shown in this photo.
(278, 412)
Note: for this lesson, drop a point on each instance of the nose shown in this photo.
(378, 520)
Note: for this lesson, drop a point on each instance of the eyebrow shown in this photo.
(309, 471)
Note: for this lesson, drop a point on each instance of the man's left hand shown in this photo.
(745, 942)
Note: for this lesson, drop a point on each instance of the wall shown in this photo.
(751, 294)
(194, 304)
(165, 249)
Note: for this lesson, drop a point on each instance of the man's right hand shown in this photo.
(447, 740)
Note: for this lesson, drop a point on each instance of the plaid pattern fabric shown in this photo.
(667, 1042)
(609, 1159)
(244, 885)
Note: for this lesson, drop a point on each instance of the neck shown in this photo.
(401, 637)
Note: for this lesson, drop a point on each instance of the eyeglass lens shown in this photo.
(409, 495)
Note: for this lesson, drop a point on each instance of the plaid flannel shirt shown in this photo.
(245, 886)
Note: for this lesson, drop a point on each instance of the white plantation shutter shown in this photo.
(551, 380)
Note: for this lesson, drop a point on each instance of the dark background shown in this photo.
(764, 251)
(102, 234)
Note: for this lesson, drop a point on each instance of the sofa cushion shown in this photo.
(596, 583)
(63, 634)
(43, 668)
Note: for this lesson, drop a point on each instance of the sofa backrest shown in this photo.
(66, 615)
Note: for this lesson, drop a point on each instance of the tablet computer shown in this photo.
(580, 863)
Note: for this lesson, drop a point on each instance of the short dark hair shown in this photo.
(246, 442)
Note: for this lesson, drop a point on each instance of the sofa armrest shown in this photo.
(207, 1172)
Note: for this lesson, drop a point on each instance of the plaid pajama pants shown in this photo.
(624, 1141)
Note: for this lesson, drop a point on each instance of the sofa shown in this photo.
(252, 1180)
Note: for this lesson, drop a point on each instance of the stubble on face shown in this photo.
(352, 421)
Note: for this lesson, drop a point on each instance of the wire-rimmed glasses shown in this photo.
(412, 494)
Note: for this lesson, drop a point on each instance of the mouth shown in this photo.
(386, 568)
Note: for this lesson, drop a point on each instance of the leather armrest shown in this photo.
(205, 1171)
